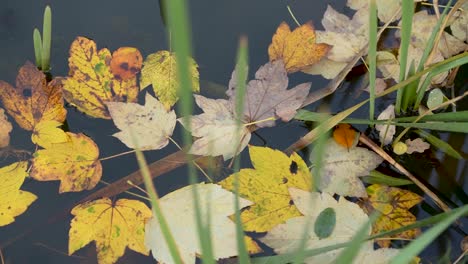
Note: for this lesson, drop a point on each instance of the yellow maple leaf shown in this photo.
(33, 99)
(74, 162)
(91, 82)
(113, 226)
(298, 49)
(267, 187)
(160, 70)
(47, 133)
(13, 201)
(394, 204)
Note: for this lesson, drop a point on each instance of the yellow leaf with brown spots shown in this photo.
(33, 99)
(298, 49)
(160, 70)
(91, 82)
(267, 187)
(13, 201)
(74, 162)
(394, 204)
(114, 226)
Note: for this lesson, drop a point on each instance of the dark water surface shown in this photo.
(216, 27)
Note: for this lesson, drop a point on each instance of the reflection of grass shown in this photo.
(42, 45)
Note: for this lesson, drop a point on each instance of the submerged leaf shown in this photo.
(114, 226)
(74, 162)
(91, 82)
(151, 124)
(216, 204)
(160, 70)
(267, 186)
(298, 49)
(13, 201)
(33, 100)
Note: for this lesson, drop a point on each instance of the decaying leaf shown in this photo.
(459, 27)
(267, 187)
(112, 225)
(216, 129)
(386, 132)
(5, 129)
(298, 49)
(268, 97)
(74, 162)
(91, 82)
(33, 99)
(345, 135)
(416, 145)
(126, 62)
(394, 204)
(216, 204)
(151, 124)
(47, 133)
(286, 238)
(160, 70)
(342, 168)
(13, 201)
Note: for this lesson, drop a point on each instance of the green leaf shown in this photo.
(325, 223)
(376, 177)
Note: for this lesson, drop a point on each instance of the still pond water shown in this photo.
(216, 27)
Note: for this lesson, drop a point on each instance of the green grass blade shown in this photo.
(409, 92)
(46, 38)
(415, 247)
(376, 177)
(37, 41)
(241, 70)
(440, 144)
(178, 20)
(406, 25)
(372, 56)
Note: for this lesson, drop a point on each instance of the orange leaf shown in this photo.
(126, 63)
(297, 49)
(344, 135)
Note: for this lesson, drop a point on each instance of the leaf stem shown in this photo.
(292, 15)
(117, 155)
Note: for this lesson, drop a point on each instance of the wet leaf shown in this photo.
(342, 168)
(285, 238)
(48, 133)
(113, 226)
(386, 132)
(126, 62)
(416, 145)
(5, 129)
(160, 70)
(74, 162)
(267, 187)
(345, 135)
(216, 129)
(33, 99)
(91, 82)
(178, 209)
(151, 124)
(394, 204)
(268, 96)
(298, 49)
(13, 201)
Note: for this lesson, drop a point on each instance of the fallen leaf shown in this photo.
(5, 129)
(216, 204)
(126, 62)
(33, 99)
(286, 238)
(267, 187)
(416, 145)
(216, 129)
(150, 124)
(380, 86)
(342, 168)
(47, 133)
(268, 97)
(112, 225)
(298, 49)
(459, 27)
(394, 204)
(160, 70)
(345, 135)
(91, 82)
(74, 162)
(13, 201)
(386, 132)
